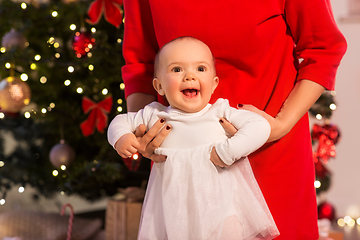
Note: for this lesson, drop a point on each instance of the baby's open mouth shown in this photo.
(190, 92)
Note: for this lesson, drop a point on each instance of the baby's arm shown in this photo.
(253, 132)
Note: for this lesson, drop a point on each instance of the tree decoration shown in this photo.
(111, 9)
(83, 42)
(327, 136)
(133, 162)
(326, 210)
(98, 115)
(14, 39)
(14, 94)
(61, 154)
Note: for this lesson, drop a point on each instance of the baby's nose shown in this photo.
(189, 76)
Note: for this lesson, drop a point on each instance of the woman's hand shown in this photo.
(152, 139)
(278, 129)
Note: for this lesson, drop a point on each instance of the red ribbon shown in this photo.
(110, 8)
(98, 115)
(328, 136)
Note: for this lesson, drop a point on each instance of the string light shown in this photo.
(54, 14)
(37, 57)
(43, 79)
(71, 69)
(55, 173)
(317, 184)
(332, 106)
(33, 66)
(52, 105)
(119, 109)
(2, 50)
(27, 115)
(91, 67)
(318, 116)
(67, 82)
(122, 86)
(119, 101)
(79, 90)
(93, 30)
(21, 189)
(8, 65)
(73, 27)
(63, 167)
(57, 55)
(43, 110)
(2, 201)
(23, 5)
(2, 164)
(105, 91)
(51, 40)
(2, 115)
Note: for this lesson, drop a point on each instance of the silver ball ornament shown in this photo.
(14, 94)
(61, 154)
(14, 39)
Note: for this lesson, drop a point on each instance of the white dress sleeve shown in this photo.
(128, 122)
(253, 132)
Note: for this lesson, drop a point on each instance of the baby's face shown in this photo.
(186, 75)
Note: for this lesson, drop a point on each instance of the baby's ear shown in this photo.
(158, 87)
(215, 84)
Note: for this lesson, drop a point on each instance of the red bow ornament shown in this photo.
(98, 115)
(111, 9)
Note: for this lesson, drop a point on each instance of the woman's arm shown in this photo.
(301, 98)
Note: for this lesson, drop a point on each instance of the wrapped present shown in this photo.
(123, 215)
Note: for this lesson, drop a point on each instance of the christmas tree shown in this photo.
(324, 137)
(60, 69)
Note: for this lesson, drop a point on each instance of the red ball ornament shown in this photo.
(82, 44)
(326, 210)
(14, 94)
(61, 154)
(14, 39)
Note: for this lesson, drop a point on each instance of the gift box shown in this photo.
(123, 215)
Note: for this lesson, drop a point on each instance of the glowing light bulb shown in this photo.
(341, 222)
(71, 69)
(23, 5)
(55, 173)
(122, 86)
(119, 101)
(54, 14)
(317, 184)
(332, 106)
(2, 115)
(119, 109)
(43, 110)
(105, 91)
(79, 90)
(2, 163)
(27, 115)
(73, 27)
(63, 167)
(43, 79)
(2, 201)
(21, 189)
(318, 116)
(7, 65)
(67, 82)
(37, 57)
(24, 77)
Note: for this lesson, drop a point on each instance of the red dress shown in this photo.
(261, 47)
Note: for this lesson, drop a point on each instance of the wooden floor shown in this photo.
(350, 233)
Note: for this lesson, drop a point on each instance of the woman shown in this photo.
(277, 55)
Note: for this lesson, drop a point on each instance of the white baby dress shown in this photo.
(187, 196)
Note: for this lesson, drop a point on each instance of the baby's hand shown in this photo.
(216, 160)
(127, 145)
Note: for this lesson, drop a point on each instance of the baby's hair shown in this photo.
(157, 56)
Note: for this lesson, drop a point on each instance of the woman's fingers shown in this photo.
(153, 138)
(229, 128)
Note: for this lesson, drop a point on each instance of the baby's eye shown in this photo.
(176, 69)
(201, 69)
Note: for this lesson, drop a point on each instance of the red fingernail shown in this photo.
(162, 120)
(240, 105)
(221, 121)
(168, 127)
